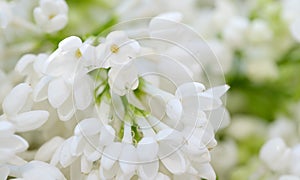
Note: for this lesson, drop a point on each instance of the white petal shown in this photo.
(86, 166)
(57, 23)
(161, 176)
(172, 158)
(4, 171)
(217, 91)
(205, 171)
(6, 129)
(89, 55)
(30, 120)
(66, 110)
(40, 92)
(92, 152)
(201, 102)
(170, 16)
(109, 173)
(170, 135)
(39, 170)
(219, 118)
(13, 143)
(77, 145)
(128, 159)
(148, 170)
(107, 135)
(39, 16)
(93, 175)
(174, 109)
(88, 127)
(47, 150)
(16, 99)
(83, 92)
(110, 155)
(66, 157)
(25, 63)
(70, 43)
(276, 154)
(295, 30)
(58, 92)
(147, 149)
(189, 89)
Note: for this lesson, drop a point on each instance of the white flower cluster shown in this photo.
(281, 153)
(120, 121)
(256, 32)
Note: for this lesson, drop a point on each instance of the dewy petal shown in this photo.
(172, 158)
(16, 99)
(70, 43)
(47, 150)
(88, 127)
(40, 92)
(30, 120)
(6, 129)
(110, 154)
(13, 143)
(148, 170)
(147, 149)
(107, 135)
(128, 159)
(58, 92)
(83, 92)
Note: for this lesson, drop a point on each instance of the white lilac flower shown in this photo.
(118, 53)
(141, 142)
(51, 15)
(17, 109)
(130, 125)
(10, 144)
(276, 155)
(35, 170)
(61, 77)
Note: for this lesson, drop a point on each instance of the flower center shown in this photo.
(114, 48)
(78, 54)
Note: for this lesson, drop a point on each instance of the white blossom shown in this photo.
(51, 15)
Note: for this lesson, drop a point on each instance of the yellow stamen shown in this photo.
(114, 48)
(78, 54)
